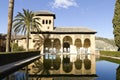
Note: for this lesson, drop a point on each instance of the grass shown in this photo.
(110, 59)
(110, 53)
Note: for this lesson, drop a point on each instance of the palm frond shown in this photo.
(26, 20)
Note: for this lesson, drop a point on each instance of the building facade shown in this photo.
(53, 39)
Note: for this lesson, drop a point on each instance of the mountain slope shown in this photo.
(105, 44)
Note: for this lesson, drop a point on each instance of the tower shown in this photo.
(46, 20)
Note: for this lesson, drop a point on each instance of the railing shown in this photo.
(12, 62)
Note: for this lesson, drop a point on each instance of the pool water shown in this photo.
(106, 70)
(74, 67)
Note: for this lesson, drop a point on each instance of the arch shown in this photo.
(78, 43)
(67, 39)
(87, 43)
(57, 44)
(57, 62)
(47, 44)
(67, 65)
(66, 47)
(78, 64)
(87, 63)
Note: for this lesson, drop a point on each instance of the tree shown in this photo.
(25, 22)
(10, 18)
(17, 48)
(116, 24)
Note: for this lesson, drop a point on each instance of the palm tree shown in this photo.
(25, 22)
(10, 18)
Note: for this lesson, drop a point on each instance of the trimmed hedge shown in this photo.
(6, 58)
(110, 53)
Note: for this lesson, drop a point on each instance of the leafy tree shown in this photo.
(10, 18)
(26, 22)
(17, 48)
(116, 24)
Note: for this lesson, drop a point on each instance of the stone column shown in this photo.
(92, 41)
(61, 42)
(82, 40)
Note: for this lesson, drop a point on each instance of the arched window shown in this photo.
(49, 21)
(46, 21)
(43, 22)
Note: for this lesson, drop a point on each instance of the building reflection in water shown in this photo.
(65, 65)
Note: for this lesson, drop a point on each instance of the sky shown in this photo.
(94, 14)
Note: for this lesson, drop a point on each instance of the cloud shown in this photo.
(64, 3)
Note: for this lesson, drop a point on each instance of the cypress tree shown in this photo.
(116, 24)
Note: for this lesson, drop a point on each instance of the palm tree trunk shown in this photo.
(27, 49)
(10, 18)
(27, 39)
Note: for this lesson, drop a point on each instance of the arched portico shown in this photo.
(87, 43)
(86, 46)
(70, 44)
(47, 45)
(67, 41)
(57, 45)
(78, 43)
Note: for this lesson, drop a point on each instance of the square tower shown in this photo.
(46, 20)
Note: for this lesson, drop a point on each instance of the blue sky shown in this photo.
(93, 14)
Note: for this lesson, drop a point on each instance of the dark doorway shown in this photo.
(66, 47)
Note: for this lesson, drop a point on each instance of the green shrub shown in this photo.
(17, 48)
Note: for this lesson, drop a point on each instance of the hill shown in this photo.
(105, 44)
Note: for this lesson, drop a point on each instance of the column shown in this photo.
(61, 42)
(92, 40)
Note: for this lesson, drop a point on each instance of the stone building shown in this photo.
(61, 39)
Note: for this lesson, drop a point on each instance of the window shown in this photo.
(43, 22)
(49, 21)
(46, 21)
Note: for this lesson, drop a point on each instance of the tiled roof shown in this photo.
(73, 29)
(44, 13)
(68, 30)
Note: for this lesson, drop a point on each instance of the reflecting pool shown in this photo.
(72, 67)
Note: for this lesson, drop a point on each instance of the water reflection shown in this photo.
(64, 65)
(70, 67)
(19, 75)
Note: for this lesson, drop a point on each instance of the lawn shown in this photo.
(110, 53)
